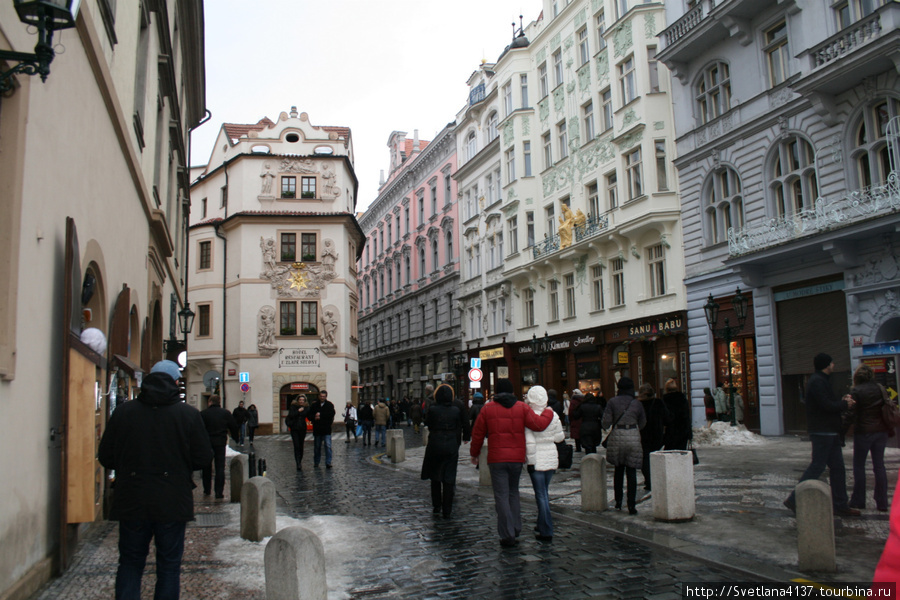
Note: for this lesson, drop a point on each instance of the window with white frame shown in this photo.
(792, 179)
(499, 248)
(288, 249)
(390, 279)
(569, 284)
(653, 68)
(606, 101)
(622, 7)
(449, 245)
(511, 165)
(477, 258)
(526, 158)
(512, 225)
(421, 197)
(523, 89)
(528, 306)
(714, 92)
(871, 153)
(529, 228)
(626, 80)
(471, 145)
(593, 196)
(548, 150)
(662, 178)
(776, 51)
(542, 79)
(489, 184)
(407, 264)
(656, 263)
(422, 270)
(557, 68)
(597, 288)
(502, 315)
(435, 261)
(491, 253)
(634, 174)
(563, 139)
(498, 184)
(600, 28)
(553, 300)
(584, 48)
(470, 261)
(448, 196)
(507, 99)
(434, 206)
(587, 117)
(550, 214)
(617, 274)
(723, 204)
(495, 325)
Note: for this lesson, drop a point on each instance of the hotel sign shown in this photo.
(298, 358)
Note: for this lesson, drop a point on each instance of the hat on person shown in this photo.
(478, 396)
(504, 386)
(168, 367)
(537, 396)
(443, 394)
(821, 361)
(625, 384)
(577, 392)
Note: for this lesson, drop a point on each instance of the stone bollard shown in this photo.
(239, 468)
(593, 483)
(398, 448)
(392, 435)
(815, 526)
(257, 509)
(673, 485)
(295, 566)
(484, 472)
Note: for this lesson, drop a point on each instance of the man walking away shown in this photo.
(219, 423)
(321, 415)
(154, 444)
(241, 416)
(823, 419)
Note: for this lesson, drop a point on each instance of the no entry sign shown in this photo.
(475, 374)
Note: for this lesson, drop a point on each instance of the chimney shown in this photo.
(293, 112)
(415, 140)
(381, 180)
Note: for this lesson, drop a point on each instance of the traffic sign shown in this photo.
(244, 377)
(474, 385)
(475, 363)
(475, 375)
(245, 387)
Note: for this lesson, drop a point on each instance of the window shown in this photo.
(500, 248)
(206, 255)
(288, 187)
(557, 68)
(406, 219)
(435, 263)
(408, 266)
(381, 240)
(626, 80)
(526, 158)
(618, 281)
(593, 196)
(529, 228)
(450, 310)
(776, 50)
(389, 232)
(309, 322)
(662, 179)
(622, 7)
(569, 283)
(563, 138)
(422, 209)
(523, 87)
(448, 198)
(553, 300)
(600, 26)
(507, 100)
(288, 247)
(612, 194)
(542, 79)
(308, 246)
(511, 165)
(606, 100)
(587, 117)
(434, 311)
(793, 177)
(449, 240)
(550, 213)
(203, 208)
(502, 314)
(495, 326)
(512, 225)
(422, 261)
(308, 187)
(489, 184)
(471, 146)
(871, 153)
(492, 131)
(399, 281)
(204, 320)
(714, 92)
(288, 318)
(390, 281)
(548, 150)
(528, 306)
(633, 174)
(491, 253)
(555, 7)
(597, 287)
(653, 68)
(472, 329)
(223, 196)
(434, 207)
(584, 49)
(656, 261)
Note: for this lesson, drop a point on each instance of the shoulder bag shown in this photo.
(890, 412)
(564, 454)
(605, 441)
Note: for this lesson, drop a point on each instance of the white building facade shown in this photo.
(787, 122)
(274, 244)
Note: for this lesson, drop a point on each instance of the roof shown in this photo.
(236, 131)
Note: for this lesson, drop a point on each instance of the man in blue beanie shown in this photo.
(154, 444)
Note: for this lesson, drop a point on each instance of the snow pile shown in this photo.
(721, 433)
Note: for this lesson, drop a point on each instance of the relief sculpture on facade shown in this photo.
(265, 336)
(329, 332)
(297, 280)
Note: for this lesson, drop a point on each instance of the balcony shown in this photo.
(853, 208)
(591, 227)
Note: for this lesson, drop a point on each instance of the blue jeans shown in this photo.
(381, 434)
(540, 481)
(862, 444)
(826, 452)
(134, 545)
(317, 449)
(505, 481)
(243, 428)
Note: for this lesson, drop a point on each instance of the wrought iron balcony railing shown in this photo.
(592, 226)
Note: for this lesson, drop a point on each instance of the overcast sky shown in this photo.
(375, 66)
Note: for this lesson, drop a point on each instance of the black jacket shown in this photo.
(590, 413)
(154, 444)
(448, 426)
(653, 431)
(325, 411)
(823, 406)
(365, 412)
(241, 415)
(296, 419)
(219, 422)
(679, 428)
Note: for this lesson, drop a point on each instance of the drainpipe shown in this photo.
(224, 239)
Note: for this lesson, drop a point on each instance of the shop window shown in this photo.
(589, 377)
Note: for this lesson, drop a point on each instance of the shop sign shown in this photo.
(881, 348)
(503, 372)
(622, 358)
(812, 290)
(300, 386)
(656, 327)
(492, 353)
(298, 357)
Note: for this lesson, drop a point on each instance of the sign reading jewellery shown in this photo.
(580, 342)
(662, 326)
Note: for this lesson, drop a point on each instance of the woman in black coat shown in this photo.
(296, 422)
(679, 430)
(590, 413)
(448, 426)
(652, 433)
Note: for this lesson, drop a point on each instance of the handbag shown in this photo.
(564, 454)
(694, 457)
(890, 412)
(605, 441)
(359, 430)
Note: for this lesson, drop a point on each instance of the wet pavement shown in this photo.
(382, 540)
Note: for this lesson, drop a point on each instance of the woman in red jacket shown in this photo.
(505, 420)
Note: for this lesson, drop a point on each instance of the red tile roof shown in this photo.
(236, 131)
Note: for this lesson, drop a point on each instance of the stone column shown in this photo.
(239, 469)
(257, 509)
(673, 485)
(815, 526)
(593, 483)
(295, 566)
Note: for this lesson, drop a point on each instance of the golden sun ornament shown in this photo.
(299, 280)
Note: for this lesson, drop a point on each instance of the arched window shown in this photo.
(434, 255)
(449, 247)
(792, 177)
(723, 204)
(492, 132)
(713, 92)
(871, 154)
(471, 146)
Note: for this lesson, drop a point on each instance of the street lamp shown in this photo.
(185, 324)
(46, 16)
(540, 349)
(728, 332)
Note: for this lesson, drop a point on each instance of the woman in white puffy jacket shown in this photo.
(540, 450)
